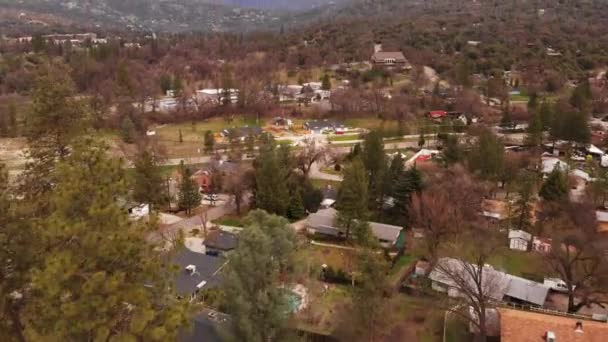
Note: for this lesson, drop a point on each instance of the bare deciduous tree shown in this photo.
(311, 153)
(576, 257)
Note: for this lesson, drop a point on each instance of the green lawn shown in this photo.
(348, 137)
(518, 263)
(520, 98)
(330, 170)
(321, 184)
(230, 221)
(195, 131)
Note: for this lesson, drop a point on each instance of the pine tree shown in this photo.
(148, 181)
(521, 214)
(555, 187)
(368, 295)
(452, 152)
(256, 301)
(98, 279)
(295, 209)
(209, 142)
(487, 156)
(352, 202)
(546, 115)
(374, 160)
(128, 130)
(272, 169)
(535, 130)
(189, 196)
(408, 183)
(326, 82)
(55, 119)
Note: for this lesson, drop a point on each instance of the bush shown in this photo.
(336, 276)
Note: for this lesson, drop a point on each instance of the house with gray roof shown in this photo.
(323, 222)
(450, 275)
(196, 272)
(383, 58)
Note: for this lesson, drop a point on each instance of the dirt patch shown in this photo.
(12, 154)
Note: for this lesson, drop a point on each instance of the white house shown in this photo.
(519, 240)
(217, 96)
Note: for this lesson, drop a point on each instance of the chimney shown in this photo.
(377, 47)
(579, 327)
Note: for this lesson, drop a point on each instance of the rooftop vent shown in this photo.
(191, 269)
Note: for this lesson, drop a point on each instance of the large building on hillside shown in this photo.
(394, 59)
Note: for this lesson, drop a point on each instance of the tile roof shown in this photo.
(526, 326)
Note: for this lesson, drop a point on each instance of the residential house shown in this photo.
(421, 156)
(325, 126)
(498, 285)
(218, 242)
(323, 222)
(382, 58)
(529, 326)
(242, 132)
(203, 177)
(542, 245)
(519, 240)
(437, 114)
(330, 196)
(217, 96)
(282, 123)
(196, 271)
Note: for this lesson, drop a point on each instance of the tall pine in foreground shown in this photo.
(353, 196)
(555, 187)
(262, 260)
(189, 195)
(98, 280)
(55, 119)
(148, 181)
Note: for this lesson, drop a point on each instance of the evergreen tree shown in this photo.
(581, 96)
(326, 82)
(374, 160)
(452, 152)
(209, 142)
(368, 295)
(352, 202)
(546, 115)
(271, 175)
(555, 187)
(506, 121)
(55, 119)
(189, 196)
(421, 140)
(295, 209)
(128, 130)
(98, 279)
(533, 101)
(250, 143)
(521, 218)
(256, 301)
(535, 130)
(408, 183)
(487, 156)
(148, 181)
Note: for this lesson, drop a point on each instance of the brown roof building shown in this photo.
(389, 58)
(526, 326)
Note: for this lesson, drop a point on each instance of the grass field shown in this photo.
(321, 184)
(348, 137)
(518, 263)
